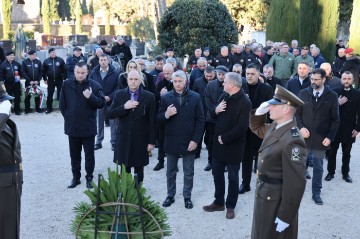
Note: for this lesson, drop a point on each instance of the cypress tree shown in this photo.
(78, 17)
(326, 36)
(355, 28)
(188, 24)
(308, 22)
(45, 16)
(282, 22)
(6, 12)
(53, 6)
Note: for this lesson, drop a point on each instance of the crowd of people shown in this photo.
(301, 109)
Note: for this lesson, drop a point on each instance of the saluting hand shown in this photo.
(342, 100)
(87, 93)
(131, 104)
(221, 107)
(354, 133)
(163, 91)
(326, 142)
(150, 147)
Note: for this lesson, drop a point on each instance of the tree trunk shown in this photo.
(355, 28)
(107, 22)
(155, 18)
(6, 12)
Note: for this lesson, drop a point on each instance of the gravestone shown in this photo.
(6, 45)
(79, 40)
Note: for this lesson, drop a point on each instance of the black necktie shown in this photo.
(317, 95)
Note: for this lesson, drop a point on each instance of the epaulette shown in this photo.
(294, 132)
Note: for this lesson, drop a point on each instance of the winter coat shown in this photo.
(136, 128)
(32, 71)
(54, 69)
(71, 62)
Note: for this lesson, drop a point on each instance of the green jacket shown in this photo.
(283, 65)
(299, 59)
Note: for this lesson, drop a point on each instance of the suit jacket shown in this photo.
(136, 128)
(10, 183)
(186, 125)
(282, 155)
(349, 115)
(321, 119)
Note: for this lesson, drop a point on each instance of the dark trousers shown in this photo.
(204, 139)
(76, 144)
(137, 170)
(51, 89)
(218, 168)
(250, 154)
(27, 103)
(14, 89)
(161, 139)
(210, 128)
(346, 149)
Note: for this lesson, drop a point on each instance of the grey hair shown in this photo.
(267, 66)
(180, 74)
(224, 47)
(171, 60)
(237, 65)
(201, 59)
(234, 78)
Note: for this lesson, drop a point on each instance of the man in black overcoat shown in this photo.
(349, 110)
(232, 121)
(135, 110)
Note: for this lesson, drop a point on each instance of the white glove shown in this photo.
(5, 107)
(281, 226)
(263, 109)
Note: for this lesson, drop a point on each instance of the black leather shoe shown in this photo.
(168, 201)
(48, 111)
(17, 113)
(188, 203)
(347, 178)
(159, 166)
(208, 167)
(74, 183)
(329, 176)
(317, 200)
(307, 175)
(88, 183)
(243, 189)
(39, 111)
(97, 146)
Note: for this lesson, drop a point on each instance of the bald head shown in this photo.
(134, 80)
(99, 51)
(168, 70)
(326, 67)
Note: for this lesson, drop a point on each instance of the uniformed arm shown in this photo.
(117, 108)
(272, 61)
(39, 72)
(152, 120)
(25, 73)
(239, 130)
(44, 70)
(335, 118)
(257, 124)
(293, 171)
(199, 121)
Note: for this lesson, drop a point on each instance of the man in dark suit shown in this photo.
(134, 108)
(281, 173)
(107, 76)
(318, 121)
(349, 109)
(257, 92)
(182, 115)
(11, 174)
(301, 81)
(232, 121)
(79, 100)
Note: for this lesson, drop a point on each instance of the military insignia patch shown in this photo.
(294, 132)
(295, 154)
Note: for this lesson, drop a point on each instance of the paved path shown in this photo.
(47, 203)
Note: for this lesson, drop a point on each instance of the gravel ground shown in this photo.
(47, 202)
